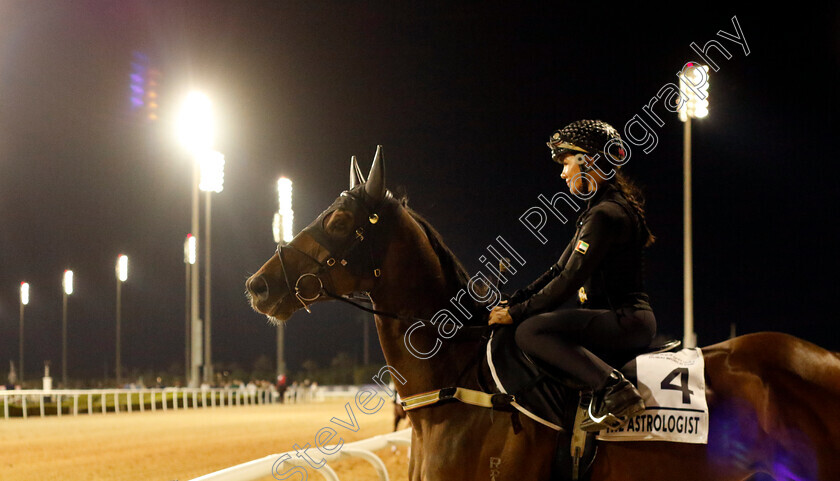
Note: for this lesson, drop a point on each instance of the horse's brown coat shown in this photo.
(774, 399)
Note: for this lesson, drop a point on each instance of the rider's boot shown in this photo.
(613, 405)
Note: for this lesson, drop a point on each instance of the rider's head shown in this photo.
(581, 146)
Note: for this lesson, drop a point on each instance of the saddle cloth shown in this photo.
(536, 395)
(671, 383)
(673, 387)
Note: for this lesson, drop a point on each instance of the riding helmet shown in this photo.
(586, 137)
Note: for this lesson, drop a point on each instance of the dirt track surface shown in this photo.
(180, 445)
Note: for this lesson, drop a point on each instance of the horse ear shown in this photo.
(375, 185)
(356, 176)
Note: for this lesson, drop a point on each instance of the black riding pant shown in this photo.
(570, 340)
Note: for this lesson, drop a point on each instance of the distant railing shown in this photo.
(18, 403)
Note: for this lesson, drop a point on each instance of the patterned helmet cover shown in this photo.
(588, 137)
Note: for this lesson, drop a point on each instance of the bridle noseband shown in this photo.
(300, 297)
(316, 231)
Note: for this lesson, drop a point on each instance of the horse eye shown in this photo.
(339, 223)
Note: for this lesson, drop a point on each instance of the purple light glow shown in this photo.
(783, 473)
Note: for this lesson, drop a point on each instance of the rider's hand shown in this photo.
(499, 315)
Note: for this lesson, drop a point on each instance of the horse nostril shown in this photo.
(257, 287)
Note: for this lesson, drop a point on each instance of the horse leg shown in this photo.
(468, 443)
(399, 415)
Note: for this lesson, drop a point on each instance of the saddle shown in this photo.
(551, 400)
(522, 386)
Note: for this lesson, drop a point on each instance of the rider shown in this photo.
(592, 299)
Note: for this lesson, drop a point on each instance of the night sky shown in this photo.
(463, 98)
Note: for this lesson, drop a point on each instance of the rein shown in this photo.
(323, 291)
(468, 396)
(324, 266)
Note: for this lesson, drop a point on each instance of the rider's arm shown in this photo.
(522, 295)
(597, 234)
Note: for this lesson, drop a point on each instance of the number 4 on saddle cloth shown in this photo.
(671, 383)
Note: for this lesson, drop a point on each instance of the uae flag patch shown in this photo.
(582, 247)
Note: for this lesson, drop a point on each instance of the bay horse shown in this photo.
(774, 400)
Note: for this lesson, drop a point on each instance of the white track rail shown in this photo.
(123, 400)
(269, 465)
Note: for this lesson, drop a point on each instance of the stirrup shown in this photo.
(599, 423)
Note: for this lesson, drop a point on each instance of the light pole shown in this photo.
(122, 275)
(67, 283)
(24, 300)
(196, 132)
(282, 229)
(189, 261)
(694, 86)
(212, 180)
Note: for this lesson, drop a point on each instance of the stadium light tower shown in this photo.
(196, 130)
(212, 166)
(196, 123)
(67, 284)
(694, 90)
(282, 229)
(190, 249)
(24, 301)
(122, 275)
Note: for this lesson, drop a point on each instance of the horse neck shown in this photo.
(414, 284)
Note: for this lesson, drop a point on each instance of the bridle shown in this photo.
(343, 253)
(360, 210)
(348, 257)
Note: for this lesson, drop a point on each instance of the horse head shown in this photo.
(334, 255)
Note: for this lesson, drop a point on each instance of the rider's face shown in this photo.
(570, 170)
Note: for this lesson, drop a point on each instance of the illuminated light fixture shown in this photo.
(24, 293)
(190, 249)
(286, 214)
(276, 227)
(122, 268)
(288, 221)
(67, 283)
(284, 194)
(694, 88)
(196, 123)
(212, 165)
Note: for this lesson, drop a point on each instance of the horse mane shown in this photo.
(455, 272)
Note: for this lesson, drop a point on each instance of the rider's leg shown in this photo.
(566, 339)
(554, 338)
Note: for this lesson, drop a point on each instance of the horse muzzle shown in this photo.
(263, 292)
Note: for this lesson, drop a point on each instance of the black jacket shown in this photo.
(604, 257)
